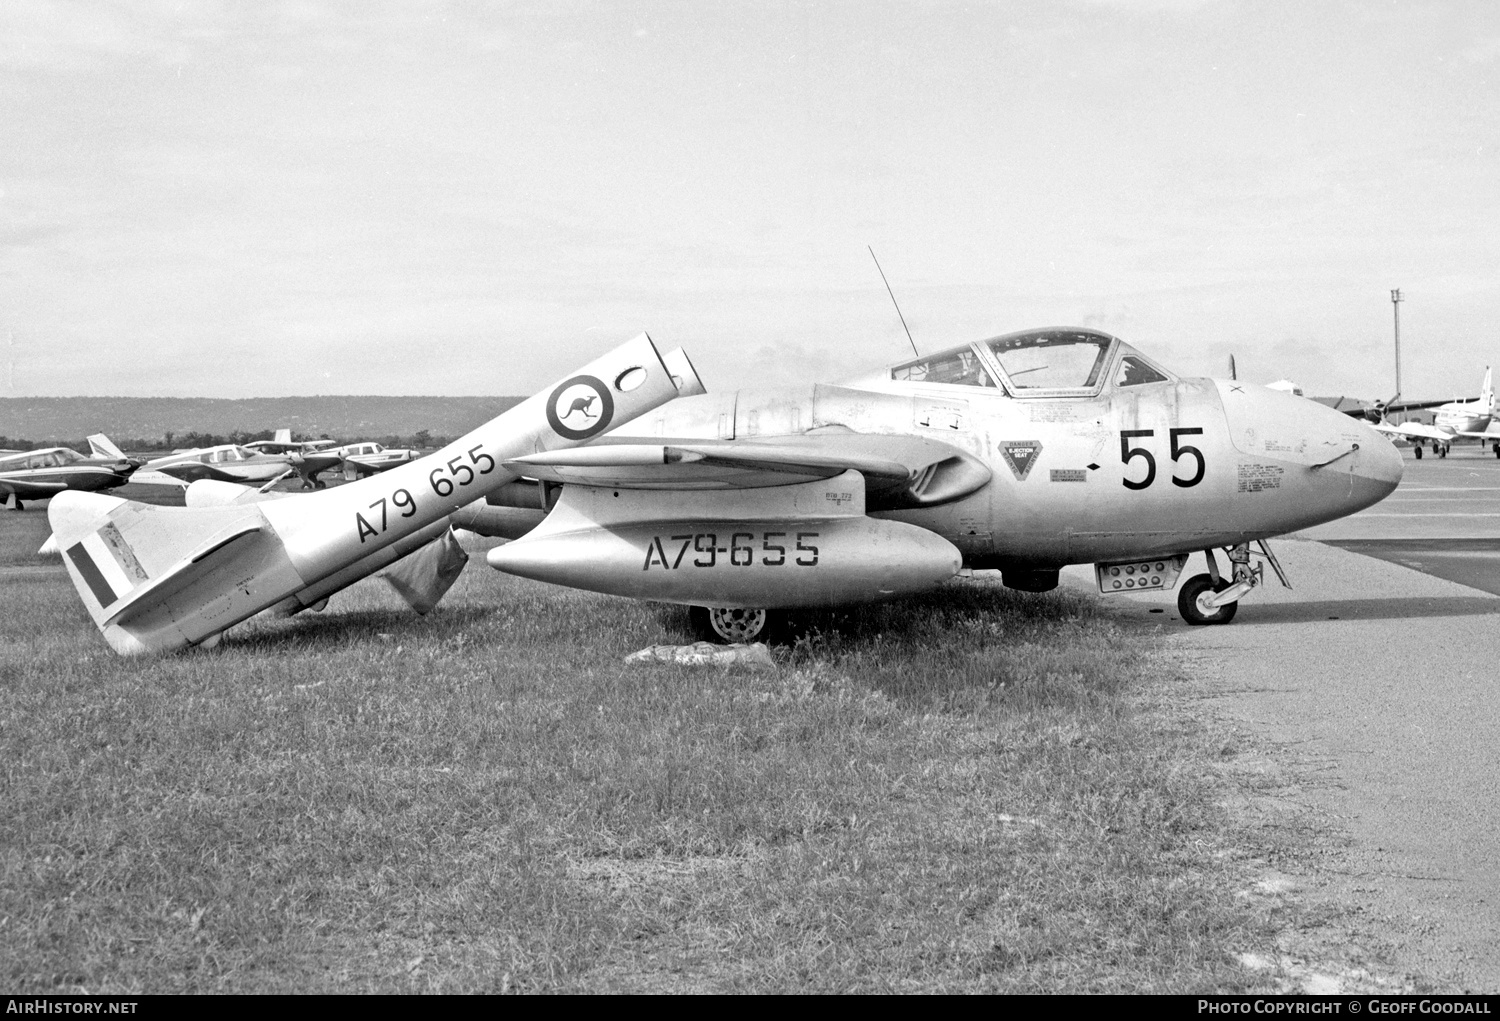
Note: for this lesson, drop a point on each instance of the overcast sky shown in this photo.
(266, 198)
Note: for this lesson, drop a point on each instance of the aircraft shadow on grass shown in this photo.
(357, 628)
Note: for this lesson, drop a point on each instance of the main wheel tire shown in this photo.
(1187, 601)
(1419, 452)
(729, 625)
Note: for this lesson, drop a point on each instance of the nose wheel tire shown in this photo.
(1192, 612)
(717, 623)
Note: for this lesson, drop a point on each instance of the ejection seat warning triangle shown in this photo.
(1020, 455)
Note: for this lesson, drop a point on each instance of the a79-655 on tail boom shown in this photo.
(161, 578)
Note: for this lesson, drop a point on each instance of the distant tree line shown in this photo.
(422, 439)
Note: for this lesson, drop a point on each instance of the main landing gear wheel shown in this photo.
(1196, 587)
(729, 625)
(1419, 451)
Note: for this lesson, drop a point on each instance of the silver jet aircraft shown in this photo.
(1024, 453)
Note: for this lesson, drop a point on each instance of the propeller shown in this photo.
(1378, 409)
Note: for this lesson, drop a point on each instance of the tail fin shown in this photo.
(283, 436)
(100, 445)
(155, 577)
(1487, 392)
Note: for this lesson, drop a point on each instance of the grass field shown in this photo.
(975, 791)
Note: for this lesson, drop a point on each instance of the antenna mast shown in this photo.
(896, 303)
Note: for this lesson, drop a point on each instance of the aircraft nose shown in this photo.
(1332, 465)
(1380, 461)
(1372, 470)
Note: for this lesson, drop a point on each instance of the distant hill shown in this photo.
(150, 419)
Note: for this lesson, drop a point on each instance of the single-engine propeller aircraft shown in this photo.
(1450, 420)
(40, 474)
(357, 459)
(282, 443)
(160, 578)
(1024, 453)
(228, 462)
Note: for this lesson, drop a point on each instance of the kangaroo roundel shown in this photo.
(580, 407)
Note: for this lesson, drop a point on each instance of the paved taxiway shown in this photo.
(1443, 520)
(1377, 677)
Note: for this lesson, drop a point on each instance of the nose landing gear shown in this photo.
(1212, 599)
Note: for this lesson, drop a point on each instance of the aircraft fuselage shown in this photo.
(1174, 466)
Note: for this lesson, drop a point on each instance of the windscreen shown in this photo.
(1052, 361)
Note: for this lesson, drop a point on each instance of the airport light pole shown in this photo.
(1396, 311)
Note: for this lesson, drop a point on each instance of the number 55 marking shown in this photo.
(1127, 452)
(1178, 451)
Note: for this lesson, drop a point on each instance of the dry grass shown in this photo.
(975, 791)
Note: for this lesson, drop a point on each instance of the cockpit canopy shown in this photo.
(1032, 363)
(54, 457)
(219, 455)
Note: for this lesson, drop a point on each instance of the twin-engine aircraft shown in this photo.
(41, 474)
(1024, 453)
(1456, 418)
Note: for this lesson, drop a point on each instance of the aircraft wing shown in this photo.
(1417, 431)
(363, 470)
(156, 478)
(192, 471)
(899, 471)
(315, 461)
(1362, 409)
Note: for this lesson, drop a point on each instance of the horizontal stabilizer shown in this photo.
(176, 577)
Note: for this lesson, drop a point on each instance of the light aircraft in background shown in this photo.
(1025, 453)
(227, 462)
(160, 578)
(41, 474)
(369, 458)
(356, 459)
(282, 443)
(1473, 418)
